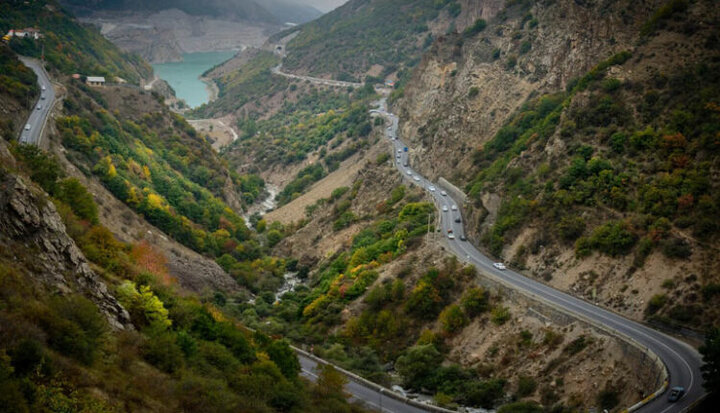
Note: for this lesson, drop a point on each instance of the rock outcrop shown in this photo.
(30, 222)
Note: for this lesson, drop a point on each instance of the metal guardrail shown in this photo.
(380, 389)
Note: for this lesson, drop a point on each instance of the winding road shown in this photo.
(682, 362)
(38, 116)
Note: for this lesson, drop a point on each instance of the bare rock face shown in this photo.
(29, 221)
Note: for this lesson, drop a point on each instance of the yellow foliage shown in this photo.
(313, 307)
(215, 313)
(146, 172)
(156, 201)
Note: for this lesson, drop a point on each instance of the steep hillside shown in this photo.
(66, 45)
(587, 148)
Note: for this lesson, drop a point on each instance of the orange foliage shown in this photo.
(676, 141)
(148, 259)
(680, 161)
(685, 201)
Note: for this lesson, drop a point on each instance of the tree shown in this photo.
(452, 319)
(282, 355)
(521, 407)
(330, 383)
(475, 301)
(711, 359)
(418, 364)
(73, 193)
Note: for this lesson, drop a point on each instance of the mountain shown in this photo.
(276, 11)
(583, 133)
(110, 295)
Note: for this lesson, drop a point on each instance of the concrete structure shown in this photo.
(95, 81)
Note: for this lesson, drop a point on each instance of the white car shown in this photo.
(27, 127)
(399, 150)
(431, 188)
(443, 193)
(454, 207)
(39, 107)
(445, 208)
(43, 87)
(451, 236)
(409, 172)
(397, 156)
(500, 266)
(416, 178)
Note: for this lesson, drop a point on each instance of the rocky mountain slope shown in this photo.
(590, 118)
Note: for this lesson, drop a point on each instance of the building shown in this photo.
(95, 81)
(29, 32)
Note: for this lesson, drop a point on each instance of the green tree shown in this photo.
(475, 301)
(521, 407)
(417, 365)
(452, 319)
(284, 357)
(73, 193)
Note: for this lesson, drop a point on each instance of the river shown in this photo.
(184, 76)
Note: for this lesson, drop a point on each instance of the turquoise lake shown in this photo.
(184, 76)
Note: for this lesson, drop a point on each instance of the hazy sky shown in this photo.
(322, 5)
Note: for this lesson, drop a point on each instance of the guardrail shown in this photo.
(378, 388)
(659, 364)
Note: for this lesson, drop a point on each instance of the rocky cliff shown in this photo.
(32, 230)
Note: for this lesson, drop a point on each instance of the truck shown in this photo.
(405, 149)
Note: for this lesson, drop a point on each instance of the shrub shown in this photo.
(612, 238)
(570, 227)
(475, 301)
(452, 319)
(608, 398)
(474, 91)
(476, 28)
(417, 365)
(73, 193)
(576, 345)
(500, 315)
(526, 386)
(656, 303)
(75, 327)
(676, 248)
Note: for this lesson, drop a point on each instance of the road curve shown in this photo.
(41, 110)
(682, 361)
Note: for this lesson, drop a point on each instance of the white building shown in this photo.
(95, 80)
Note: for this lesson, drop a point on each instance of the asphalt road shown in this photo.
(682, 361)
(370, 397)
(41, 111)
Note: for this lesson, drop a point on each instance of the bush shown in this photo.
(500, 315)
(476, 28)
(417, 365)
(526, 386)
(75, 327)
(474, 91)
(475, 301)
(576, 345)
(656, 303)
(612, 238)
(676, 248)
(608, 398)
(452, 319)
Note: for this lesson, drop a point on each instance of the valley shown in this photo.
(397, 206)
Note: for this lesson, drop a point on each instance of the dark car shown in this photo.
(463, 238)
(676, 393)
(457, 219)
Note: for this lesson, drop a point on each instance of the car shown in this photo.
(42, 97)
(676, 393)
(399, 150)
(443, 193)
(454, 207)
(457, 219)
(397, 156)
(500, 266)
(445, 208)
(27, 126)
(43, 88)
(450, 230)
(451, 236)
(463, 238)
(431, 188)
(409, 172)
(416, 178)
(39, 107)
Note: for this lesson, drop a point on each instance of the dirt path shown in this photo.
(218, 130)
